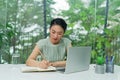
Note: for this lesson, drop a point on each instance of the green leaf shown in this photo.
(100, 60)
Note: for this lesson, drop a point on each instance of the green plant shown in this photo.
(100, 60)
(6, 36)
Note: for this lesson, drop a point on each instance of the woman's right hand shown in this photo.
(44, 64)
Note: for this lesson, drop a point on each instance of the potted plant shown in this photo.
(100, 65)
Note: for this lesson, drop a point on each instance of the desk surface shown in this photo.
(13, 72)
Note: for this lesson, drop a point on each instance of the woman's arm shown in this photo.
(31, 61)
(58, 64)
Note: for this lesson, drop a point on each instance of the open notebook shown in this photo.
(37, 69)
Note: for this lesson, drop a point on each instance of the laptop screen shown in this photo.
(78, 59)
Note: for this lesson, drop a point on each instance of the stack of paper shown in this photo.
(33, 69)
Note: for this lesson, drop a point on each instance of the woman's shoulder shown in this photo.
(42, 41)
(66, 40)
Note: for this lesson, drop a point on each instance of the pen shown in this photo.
(112, 59)
(42, 55)
(106, 59)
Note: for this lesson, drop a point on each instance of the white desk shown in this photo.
(13, 72)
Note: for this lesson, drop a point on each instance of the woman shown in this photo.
(52, 49)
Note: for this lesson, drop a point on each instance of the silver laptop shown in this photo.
(78, 59)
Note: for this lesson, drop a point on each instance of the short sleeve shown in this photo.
(41, 43)
(67, 42)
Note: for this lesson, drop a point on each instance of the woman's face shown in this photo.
(56, 33)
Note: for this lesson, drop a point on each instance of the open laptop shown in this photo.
(78, 59)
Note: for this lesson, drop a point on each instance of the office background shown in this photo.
(93, 23)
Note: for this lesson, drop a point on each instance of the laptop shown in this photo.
(78, 59)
